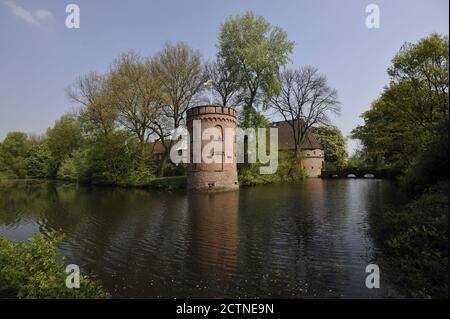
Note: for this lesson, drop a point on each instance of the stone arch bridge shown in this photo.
(359, 173)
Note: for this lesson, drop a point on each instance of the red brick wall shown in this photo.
(215, 176)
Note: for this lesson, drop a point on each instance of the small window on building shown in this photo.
(180, 152)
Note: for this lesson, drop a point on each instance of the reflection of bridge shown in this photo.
(359, 173)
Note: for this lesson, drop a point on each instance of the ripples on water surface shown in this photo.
(292, 240)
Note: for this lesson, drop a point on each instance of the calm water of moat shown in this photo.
(309, 239)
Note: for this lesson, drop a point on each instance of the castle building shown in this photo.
(221, 174)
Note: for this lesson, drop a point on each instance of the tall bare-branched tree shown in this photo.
(97, 114)
(135, 95)
(224, 84)
(178, 71)
(305, 100)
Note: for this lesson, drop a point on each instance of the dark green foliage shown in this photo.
(333, 144)
(249, 175)
(139, 174)
(415, 241)
(407, 130)
(289, 167)
(253, 51)
(431, 164)
(113, 159)
(39, 161)
(109, 158)
(64, 137)
(289, 170)
(32, 271)
(13, 152)
(168, 183)
(251, 118)
(67, 170)
(402, 122)
(175, 170)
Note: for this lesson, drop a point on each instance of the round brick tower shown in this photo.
(222, 173)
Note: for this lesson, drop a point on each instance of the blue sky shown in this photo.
(40, 57)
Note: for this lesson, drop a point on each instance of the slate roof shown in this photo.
(286, 138)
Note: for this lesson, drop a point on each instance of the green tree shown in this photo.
(64, 137)
(252, 50)
(411, 109)
(179, 74)
(39, 161)
(334, 145)
(68, 170)
(13, 152)
(110, 159)
(421, 71)
(98, 117)
(388, 140)
(136, 95)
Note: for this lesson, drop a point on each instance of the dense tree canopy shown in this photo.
(12, 155)
(64, 137)
(253, 51)
(412, 110)
(39, 161)
(334, 145)
(135, 95)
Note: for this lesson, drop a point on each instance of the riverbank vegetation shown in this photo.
(31, 270)
(415, 241)
(288, 170)
(334, 146)
(407, 130)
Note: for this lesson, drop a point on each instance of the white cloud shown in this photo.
(35, 18)
(42, 15)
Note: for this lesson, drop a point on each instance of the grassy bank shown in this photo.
(288, 170)
(415, 243)
(168, 183)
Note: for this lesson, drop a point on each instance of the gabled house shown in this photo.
(312, 153)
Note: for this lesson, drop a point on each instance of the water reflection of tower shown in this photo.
(222, 173)
(215, 233)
